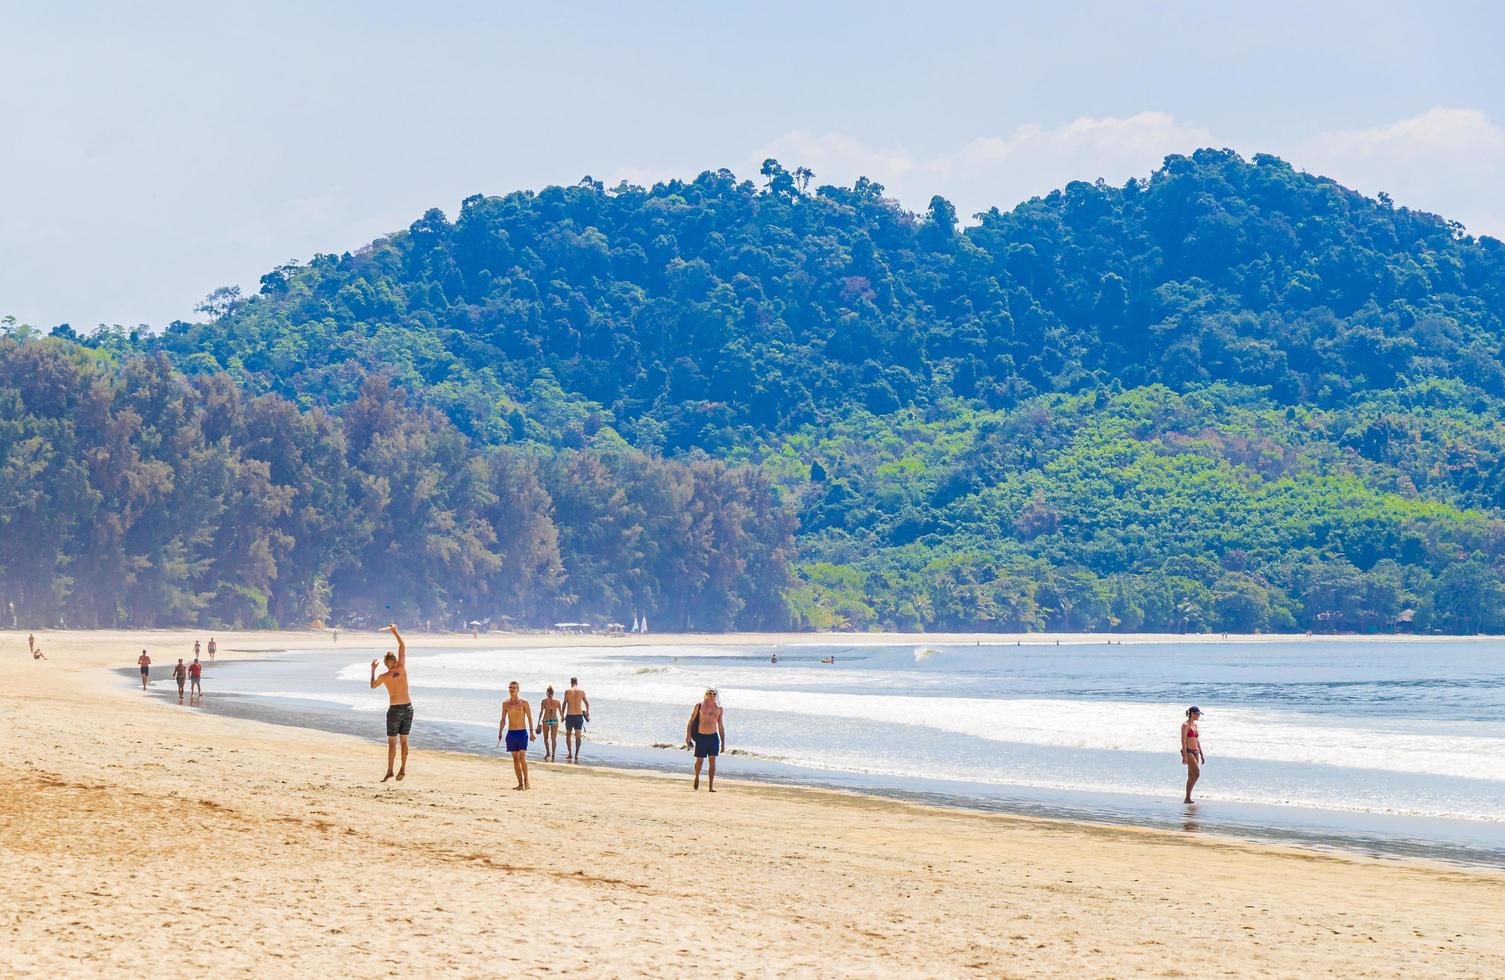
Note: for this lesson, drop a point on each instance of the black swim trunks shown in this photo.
(574, 723)
(707, 744)
(399, 720)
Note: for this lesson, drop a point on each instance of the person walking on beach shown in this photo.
(180, 674)
(195, 649)
(577, 711)
(31, 645)
(707, 732)
(517, 724)
(145, 663)
(1191, 749)
(400, 704)
(548, 723)
(215, 646)
(195, 671)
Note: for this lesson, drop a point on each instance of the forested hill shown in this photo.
(714, 312)
(1229, 396)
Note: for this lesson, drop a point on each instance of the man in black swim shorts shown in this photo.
(577, 711)
(400, 705)
(399, 720)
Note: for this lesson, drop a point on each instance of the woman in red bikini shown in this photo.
(1191, 749)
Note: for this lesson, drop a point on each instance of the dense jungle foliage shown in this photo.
(136, 495)
(1230, 396)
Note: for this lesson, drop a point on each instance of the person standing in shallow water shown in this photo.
(1191, 749)
(400, 704)
(577, 711)
(548, 723)
(707, 732)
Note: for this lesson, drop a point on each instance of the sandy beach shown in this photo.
(155, 839)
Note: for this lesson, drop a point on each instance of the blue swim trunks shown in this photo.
(517, 740)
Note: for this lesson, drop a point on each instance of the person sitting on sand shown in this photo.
(195, 671)
(707, 732)
(180, 674)
(517, 724)
(145, 663)
(37, 654)
(548, 723)
(400, 705)
(577, 711)
(1191, 749)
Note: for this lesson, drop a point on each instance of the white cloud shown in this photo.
(1445, 160)
(995, 170)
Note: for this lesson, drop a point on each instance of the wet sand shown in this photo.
(163, 840)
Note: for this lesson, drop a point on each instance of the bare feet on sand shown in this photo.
(387, 776)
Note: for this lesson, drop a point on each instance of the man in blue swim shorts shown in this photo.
(517, 726)
(707, 732)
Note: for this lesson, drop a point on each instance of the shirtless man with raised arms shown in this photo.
(400, 711)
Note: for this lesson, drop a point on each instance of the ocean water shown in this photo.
(1386, 746)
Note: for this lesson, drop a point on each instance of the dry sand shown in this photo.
(147, 839)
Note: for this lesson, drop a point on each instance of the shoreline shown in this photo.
(1381, 835)
(274, 837)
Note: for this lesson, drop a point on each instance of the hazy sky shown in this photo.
(152, 151)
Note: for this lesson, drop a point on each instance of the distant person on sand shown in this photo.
(195, 649)
(37, 654)
(195, 671)
(577, 711)
(400, 705)
(517, 724)
(1191, 749)
(548, 723)
(707, 732)
(145, 663)
(180, 674)
(212, 647)
(31, 645)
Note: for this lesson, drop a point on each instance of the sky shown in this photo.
(150, 152)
